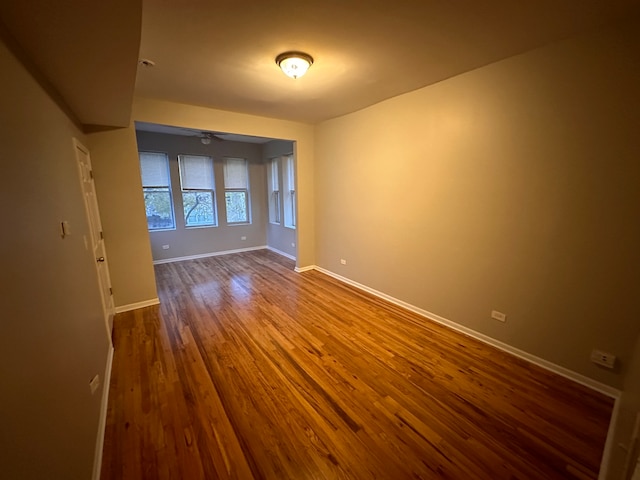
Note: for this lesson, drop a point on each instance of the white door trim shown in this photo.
(96, 239)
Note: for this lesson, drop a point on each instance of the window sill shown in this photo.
(196, 227)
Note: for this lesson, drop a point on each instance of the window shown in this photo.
(198, 187)
(290, 193)
(236, 190)
(156, 187)
(273, 177)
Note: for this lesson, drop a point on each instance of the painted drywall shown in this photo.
(183, 241)
(279, 237)
(119, 189)
(623, 453)
(53, 337)
(512, 188)
(302, 136)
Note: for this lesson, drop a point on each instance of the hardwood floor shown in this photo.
(250, 370)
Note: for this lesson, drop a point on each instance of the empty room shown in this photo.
(287, 240)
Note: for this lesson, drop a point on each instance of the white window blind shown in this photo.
(196, 172)
(274, 190)
(275, 181)
(291, 180)
(235, 174)
(290, 193)
(153, 167)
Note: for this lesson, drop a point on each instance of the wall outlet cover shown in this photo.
(604, 359)
(496, 315)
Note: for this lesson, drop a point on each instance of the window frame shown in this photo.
(274, 200)
(290, 212)
(156, 188)
(196, 191)
(246, 191)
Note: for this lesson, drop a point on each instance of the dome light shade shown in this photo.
(294, 64)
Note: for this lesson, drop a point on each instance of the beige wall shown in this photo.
(279, 237)
(53, 336)
(202, 240)
(514, 187)
(119, 189)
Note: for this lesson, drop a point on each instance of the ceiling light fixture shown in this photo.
(205, 138)
(294, 64)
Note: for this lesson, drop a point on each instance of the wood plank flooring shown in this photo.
(249, 370)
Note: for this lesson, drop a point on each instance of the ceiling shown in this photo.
(86, 51)
(221, 53)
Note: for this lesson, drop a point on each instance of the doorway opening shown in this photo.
(209, 193)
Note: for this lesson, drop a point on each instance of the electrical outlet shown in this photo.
(243, 238)
(165, 247)
(293, 244)
(604, 359)
(94, 384)
(496, 315)
(343, 261)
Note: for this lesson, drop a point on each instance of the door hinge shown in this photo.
(101, 236)
(110, 290)
(91, 174)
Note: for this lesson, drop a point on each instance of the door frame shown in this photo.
(108, 307)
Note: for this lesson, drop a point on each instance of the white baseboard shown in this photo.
(133, 306)
(205, 255)
(280, 252)
(307, 268)
(102, 423)
(608, 445)
(562, 371)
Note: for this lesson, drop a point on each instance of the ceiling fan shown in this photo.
(206, 137)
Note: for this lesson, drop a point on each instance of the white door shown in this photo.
(96, 239)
